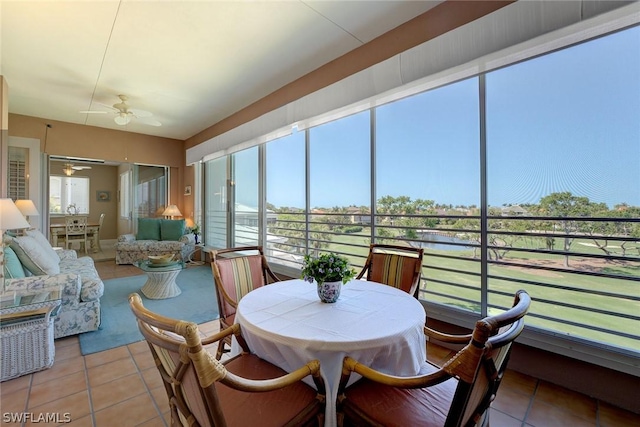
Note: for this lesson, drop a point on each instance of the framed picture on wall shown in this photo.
(187, 190)
(103, 196)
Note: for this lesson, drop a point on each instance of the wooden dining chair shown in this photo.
(76, 231)
(236, 272)
(456, 394)
(397, 266)
(244, 390)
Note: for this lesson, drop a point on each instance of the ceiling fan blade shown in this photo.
(108, 106)
(93, 112)
(79, 168)
(140, 113)
(150, 122)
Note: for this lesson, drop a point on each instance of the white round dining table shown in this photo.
(286, 324)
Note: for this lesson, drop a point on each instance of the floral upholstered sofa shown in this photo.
(155, 236)
(31, 263)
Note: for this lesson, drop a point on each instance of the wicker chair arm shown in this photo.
(232, 330)
(244, 384)
(418, 381)
(448, 338)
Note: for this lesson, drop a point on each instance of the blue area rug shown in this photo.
(196, 303)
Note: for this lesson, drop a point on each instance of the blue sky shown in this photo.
(567, 121)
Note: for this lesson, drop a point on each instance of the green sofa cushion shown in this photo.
(148, 229)
(12, 267)
(172, 229)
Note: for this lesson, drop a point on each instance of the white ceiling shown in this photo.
(190, 63)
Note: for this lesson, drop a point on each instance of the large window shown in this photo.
(286, 200)
(244, 186)
(68, 195)
(563, 166)
(428, 185)
(523, 177)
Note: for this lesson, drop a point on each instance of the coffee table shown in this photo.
(161, 279)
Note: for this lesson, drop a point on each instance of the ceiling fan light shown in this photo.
(122, 120)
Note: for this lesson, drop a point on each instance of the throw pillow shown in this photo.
(172, 229)
(33, 257)
(12, 267)
(42, 241)
(148, 229)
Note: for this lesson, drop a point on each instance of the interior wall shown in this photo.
(73, 140)
(102, 178)
(68, 139)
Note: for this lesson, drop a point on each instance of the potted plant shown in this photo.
(196, 231)
(330, 271)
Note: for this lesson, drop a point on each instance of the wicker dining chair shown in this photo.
(457, 394)
(234, 277)
(397, 266)
(244, 390)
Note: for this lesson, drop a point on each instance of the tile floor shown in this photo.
(121, 387)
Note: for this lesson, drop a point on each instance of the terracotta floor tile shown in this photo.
(75, 405)
(159, 395)
(512, 402)
(519, 382)
(116, 391)
(67, 352)
(139, 347)
(152, 378)
(610, 416)
(568, 400)
(80, 422)
(155, 422)
(167, 417)
(55, 389)
(60, 368)
(437, 354)
(11, 386)
(498, 419)
(15, 401)
(111, 371)
(545, 415)
(131, 412)
(67, 341)
(107, 356)
(144, 360)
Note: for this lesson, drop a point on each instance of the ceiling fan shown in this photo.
(69, 168)
(124, 113)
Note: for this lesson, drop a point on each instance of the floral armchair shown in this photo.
(81, 286)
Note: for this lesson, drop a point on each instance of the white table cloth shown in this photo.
(378, 325)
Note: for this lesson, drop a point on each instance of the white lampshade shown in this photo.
(27, 207)
(172, 210)
(10, 216)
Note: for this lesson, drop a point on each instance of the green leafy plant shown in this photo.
(327, 268)
(195, 229)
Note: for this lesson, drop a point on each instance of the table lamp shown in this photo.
(28, 208)
(171, 211)
(10, 219)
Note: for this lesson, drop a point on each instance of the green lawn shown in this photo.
(587, 303)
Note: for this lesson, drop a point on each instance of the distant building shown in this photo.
(514, 210)
(249, 216)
